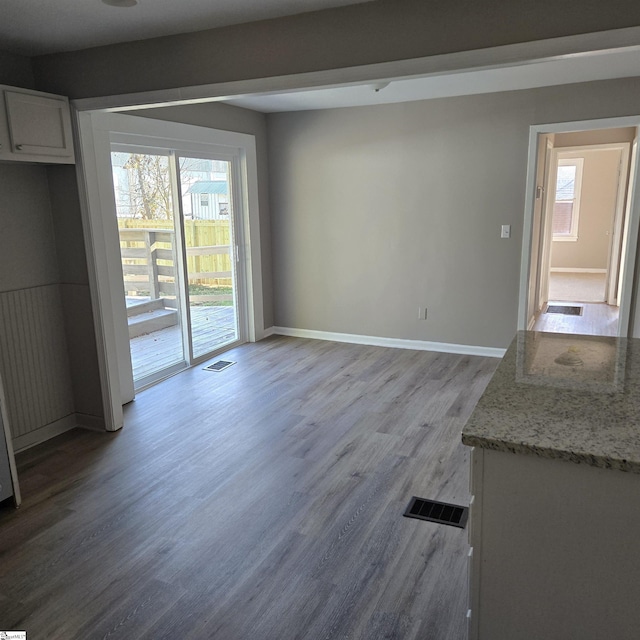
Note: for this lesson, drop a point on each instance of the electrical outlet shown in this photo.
(422, 313)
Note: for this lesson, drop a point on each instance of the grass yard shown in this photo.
(210, 290)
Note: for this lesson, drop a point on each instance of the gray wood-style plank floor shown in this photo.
(264, 502)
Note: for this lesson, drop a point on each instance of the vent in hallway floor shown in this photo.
(220, 365)
(565, 310)
(434, 511)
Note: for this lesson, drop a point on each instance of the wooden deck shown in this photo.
(212, 328)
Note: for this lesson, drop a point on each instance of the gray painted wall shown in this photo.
(27, 247)
(335, 38)
(74, 285)
(229, 118)
(16, 70)
(378, 210)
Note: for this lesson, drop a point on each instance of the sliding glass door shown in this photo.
(178, 239)
(149, 248)
(207, 205)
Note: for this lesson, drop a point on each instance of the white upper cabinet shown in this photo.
(35, 127)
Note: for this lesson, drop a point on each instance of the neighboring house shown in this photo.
(205, 193)
(209, 200)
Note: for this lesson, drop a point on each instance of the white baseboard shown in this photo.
(57, 428)
(42, 434)
(396, 343)
(575, 270)
(269, 332)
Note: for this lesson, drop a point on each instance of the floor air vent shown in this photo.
(564, 310)
(440, 512)
(221, 365)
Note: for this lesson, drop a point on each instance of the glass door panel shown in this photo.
(149, 248)
(207, 207)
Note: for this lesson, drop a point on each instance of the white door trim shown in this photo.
(615, 243)
(97, 263)
(546, 232)
(625, 299)
(105, 269)
(632, 203)
(536, 286)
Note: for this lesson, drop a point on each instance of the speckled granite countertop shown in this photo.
(570, 397)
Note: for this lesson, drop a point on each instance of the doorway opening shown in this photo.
(582, 250)
(207, 285)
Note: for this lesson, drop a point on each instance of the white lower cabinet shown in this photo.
(555, 550)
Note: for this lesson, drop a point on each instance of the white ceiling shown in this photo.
(35, 27)
(601, 65)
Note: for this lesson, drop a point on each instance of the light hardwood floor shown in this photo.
(596, 320)
(264, 503)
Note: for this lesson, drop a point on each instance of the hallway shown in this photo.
(577, 287)
(597, 319)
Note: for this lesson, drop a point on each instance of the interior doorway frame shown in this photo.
(94, 129)
(627, 304)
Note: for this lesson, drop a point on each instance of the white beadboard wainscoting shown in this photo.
(35, 365)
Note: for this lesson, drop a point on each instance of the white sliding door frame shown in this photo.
(96, 132)
(237, 237)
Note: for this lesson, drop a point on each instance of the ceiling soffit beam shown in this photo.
(514, 55)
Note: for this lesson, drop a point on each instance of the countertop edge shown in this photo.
(602, 462)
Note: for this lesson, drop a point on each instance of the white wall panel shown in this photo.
(33, 358)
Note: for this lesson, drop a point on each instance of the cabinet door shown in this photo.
(39, 125)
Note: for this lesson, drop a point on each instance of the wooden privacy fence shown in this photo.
(201, 235)
(149, 257)
(207, 244)
(148, 261)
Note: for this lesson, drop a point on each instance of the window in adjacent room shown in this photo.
(566, 208)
